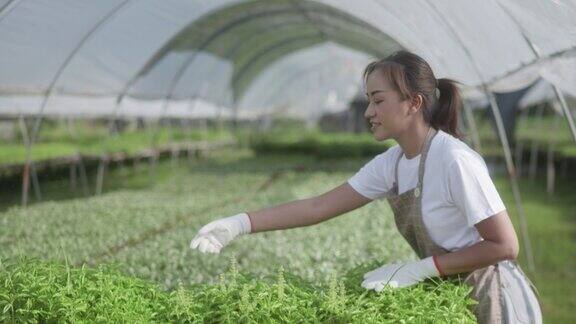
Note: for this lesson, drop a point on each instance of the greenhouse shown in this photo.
(131, 131)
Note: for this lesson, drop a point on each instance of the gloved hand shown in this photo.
(398, 275)
(215, 235)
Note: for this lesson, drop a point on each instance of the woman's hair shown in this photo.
(410, 75)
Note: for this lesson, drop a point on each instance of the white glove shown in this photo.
(215, 235)
(398, 275)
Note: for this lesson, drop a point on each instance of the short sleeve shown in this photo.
(373, 180)
(471, 189)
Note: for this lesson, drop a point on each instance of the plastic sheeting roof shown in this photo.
(186, 58)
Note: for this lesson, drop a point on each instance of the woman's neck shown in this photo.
(412, 141)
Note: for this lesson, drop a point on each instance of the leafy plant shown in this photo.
(50, 291)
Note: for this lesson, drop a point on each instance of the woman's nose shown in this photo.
(368, 112)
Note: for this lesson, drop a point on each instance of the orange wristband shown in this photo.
(437, 266)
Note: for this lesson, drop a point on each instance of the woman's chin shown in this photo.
(379, 136)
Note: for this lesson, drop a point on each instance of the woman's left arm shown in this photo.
(500, 243)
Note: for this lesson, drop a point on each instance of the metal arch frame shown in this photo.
(70, 56)
(322, 33)
(257, 55)
(236, 48)
(205, 43)
(178, 76)
(55, 78)
(287, 81)
(502, 135)
(8, 7)
(185, 67)
(534, 62)
(305, 13)
(270, 49)
(242, 42)
(189, 60)
(273, 47)
(267, 50)
(292, 78)
(559, 95)
(333, 12)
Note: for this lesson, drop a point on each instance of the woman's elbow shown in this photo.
(511, 250)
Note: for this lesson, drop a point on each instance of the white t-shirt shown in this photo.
(457, 189)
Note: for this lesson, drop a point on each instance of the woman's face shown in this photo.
(387, 113)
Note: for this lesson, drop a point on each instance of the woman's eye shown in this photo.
(378, 101)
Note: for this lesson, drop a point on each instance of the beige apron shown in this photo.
(502, 298)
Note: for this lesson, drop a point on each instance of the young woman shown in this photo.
(443, 199)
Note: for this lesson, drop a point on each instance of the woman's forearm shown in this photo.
(288, 215)
(309, 211)
(479, 255)
(499, 243)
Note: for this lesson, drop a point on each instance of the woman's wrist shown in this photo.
(437, 265)
(240, 224)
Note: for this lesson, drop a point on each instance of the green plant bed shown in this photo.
(16, 153)
(325, 145)
(49, 291)
(567, 151)
(129, 143)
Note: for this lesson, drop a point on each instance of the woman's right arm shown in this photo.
(215, 235)
(308, 211)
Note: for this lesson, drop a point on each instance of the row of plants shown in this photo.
(130, 143)
(542, 132)
(323, 145)
(35, 291)
(146, 234)
(128, 227)
(148, 231)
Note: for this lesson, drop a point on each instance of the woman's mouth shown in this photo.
(373, 125)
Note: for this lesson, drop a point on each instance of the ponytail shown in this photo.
(445, 115)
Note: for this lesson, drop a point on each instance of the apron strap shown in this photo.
(427, 141)
(396, 167)
(431, 133)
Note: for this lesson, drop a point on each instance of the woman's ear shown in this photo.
(416, 103)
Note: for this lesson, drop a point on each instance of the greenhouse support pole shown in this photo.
(26, 171)
(550, 165)
(536, 52)
(76, 165)
(535, 147)
(513, 176)
(102, 166)
(67, 61)
(83, 176)
(550, 170)
(56, 77)
(29, 172)
(519, 149)
(35, 182)
(473, 128)
(565, 110)
(503, 139)
(73, 175)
